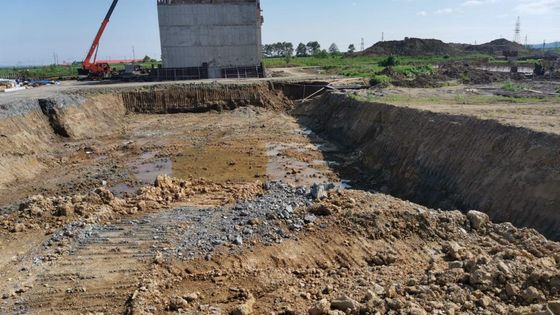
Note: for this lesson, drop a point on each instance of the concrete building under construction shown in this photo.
(210, 38)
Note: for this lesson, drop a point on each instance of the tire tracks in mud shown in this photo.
(105, 263)
(99, 272)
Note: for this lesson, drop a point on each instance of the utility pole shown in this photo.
(517, 36)
(382, 36)
(526, 42)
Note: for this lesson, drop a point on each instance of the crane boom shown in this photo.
(88, 64)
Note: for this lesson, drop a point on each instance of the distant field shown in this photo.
(363, 66)
(368, 66)
(53, 72)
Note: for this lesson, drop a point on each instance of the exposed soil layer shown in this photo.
(450, 162)
(203, 98)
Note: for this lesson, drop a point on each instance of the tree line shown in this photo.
(313, 48)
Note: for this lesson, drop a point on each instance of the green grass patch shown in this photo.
(369, 66)
(413, 70)
(377, 80)
(514, 86)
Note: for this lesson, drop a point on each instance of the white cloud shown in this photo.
(444, 11)
(475, 3)
(472, 3)
(422, 13)
(537, 7)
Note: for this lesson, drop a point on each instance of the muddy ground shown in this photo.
(258, 216)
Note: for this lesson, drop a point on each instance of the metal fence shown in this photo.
(178, 74)
(243, 72)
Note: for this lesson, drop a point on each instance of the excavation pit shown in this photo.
(237, 138)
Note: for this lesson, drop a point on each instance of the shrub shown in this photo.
(513, 87)
(390, 61)
(322, 54)
(379, 80)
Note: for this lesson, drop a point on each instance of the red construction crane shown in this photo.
(91, 68)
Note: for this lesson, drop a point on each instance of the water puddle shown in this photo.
(302, 165)
(144, 171)
(287, 168)
(299, 164)
(219, 164)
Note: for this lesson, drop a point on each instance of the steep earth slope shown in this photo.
(448, 161)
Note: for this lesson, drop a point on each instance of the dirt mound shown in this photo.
(412, 47)
(427, 47)
(498, 47)
(468, 74)
(372, 254)
(101, 205)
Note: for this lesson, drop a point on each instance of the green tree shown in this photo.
(351, 49)
(333, 49)
(280, 49)
(301, 50)
(289, 54)
(322, 54)
(313, 48)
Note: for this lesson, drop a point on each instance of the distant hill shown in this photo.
(419, 46)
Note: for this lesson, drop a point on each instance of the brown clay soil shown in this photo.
(89, 224)
(372, 254)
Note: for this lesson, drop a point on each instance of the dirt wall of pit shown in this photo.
(447, 161)
(29, 139)
(199, 98)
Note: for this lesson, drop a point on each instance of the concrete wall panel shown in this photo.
(221, 34)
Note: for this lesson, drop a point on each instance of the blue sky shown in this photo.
(39, 28)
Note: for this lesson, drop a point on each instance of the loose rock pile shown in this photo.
(100, 205)
(416, 261)
(474, 266)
